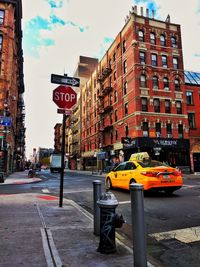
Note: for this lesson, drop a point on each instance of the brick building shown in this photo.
(135, 100)
(12, 107)
(192, 90)
(84, 69)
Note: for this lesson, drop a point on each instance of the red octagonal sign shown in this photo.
(65, 97)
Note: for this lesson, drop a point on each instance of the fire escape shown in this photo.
(104, 105)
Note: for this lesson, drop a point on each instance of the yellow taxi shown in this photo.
(141, 169)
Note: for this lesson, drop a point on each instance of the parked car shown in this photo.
(154, 175)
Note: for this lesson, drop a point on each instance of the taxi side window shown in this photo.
(120, 167)
(130, 166)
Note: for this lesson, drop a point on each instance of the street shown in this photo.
(163, 214)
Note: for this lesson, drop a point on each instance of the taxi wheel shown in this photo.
(169, 191)
(108, 184)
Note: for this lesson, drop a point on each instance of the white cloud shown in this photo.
(100, 19)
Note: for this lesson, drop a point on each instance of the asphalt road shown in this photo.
(169, 219)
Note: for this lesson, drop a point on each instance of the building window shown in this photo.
(162, 40)
(156, 104)
(125, 88)
(166, 83)
(141, 36)
(144, 104)
(158, 129)
(178, 107)
(126, 130)
(2, 13)
(116, 115)
(124, 46)
(125, 66)
(142, 58)
(167, 106)
(110, 99)
(191, 120)
(145, 129)
(164, 61)
(189, 98)
(169, 130)
(177, 85)
(115, 76)
(143, 82)
(115, 96)
(175, 62)
(110, 81)
(111, 137)
(152, 38)
(155, 82)
(116, 135)
(154, 60)
(180, 130)
(174, 41)
(114, 57)
(126, 109)
(1, 41)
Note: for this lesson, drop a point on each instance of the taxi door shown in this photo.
(128, 174)
(118, 175)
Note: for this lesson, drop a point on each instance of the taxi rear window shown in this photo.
(152, 163)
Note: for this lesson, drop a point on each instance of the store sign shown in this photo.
(5, 121)
(128, 142)
(165, 142)
(118, 146)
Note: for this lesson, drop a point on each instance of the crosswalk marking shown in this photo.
(124, 202)
(186, 235)
(45, 190)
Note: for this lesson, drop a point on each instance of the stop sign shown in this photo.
(65, 97)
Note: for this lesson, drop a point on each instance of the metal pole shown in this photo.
(138, 227)
(62, 161)
(96, 196)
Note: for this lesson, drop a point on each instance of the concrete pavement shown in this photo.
(36, 232)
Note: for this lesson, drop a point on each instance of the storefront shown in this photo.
(175, 152)
(195, 155)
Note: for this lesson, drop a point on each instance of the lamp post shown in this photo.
(4, 141)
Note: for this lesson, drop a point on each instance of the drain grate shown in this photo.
(174, 244)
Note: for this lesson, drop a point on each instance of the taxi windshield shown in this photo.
(151, 163)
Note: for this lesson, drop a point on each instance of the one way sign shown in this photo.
(59, 79)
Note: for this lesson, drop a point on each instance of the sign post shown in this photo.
(62, 161)
(65, 98)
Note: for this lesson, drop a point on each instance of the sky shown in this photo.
(57, 32)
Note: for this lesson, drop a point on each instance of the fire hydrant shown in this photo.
(109, 220)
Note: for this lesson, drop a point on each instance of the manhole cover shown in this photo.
(173, 244)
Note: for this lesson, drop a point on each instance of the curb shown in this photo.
(21, 181)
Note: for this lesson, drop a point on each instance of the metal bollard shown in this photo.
(138, 227)
(109, 221)
(96, 196)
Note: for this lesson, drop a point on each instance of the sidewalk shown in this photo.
(36, 232)
(20, 178)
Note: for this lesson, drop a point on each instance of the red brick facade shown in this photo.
(138, 92)
(193, 110)
(11, 86)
